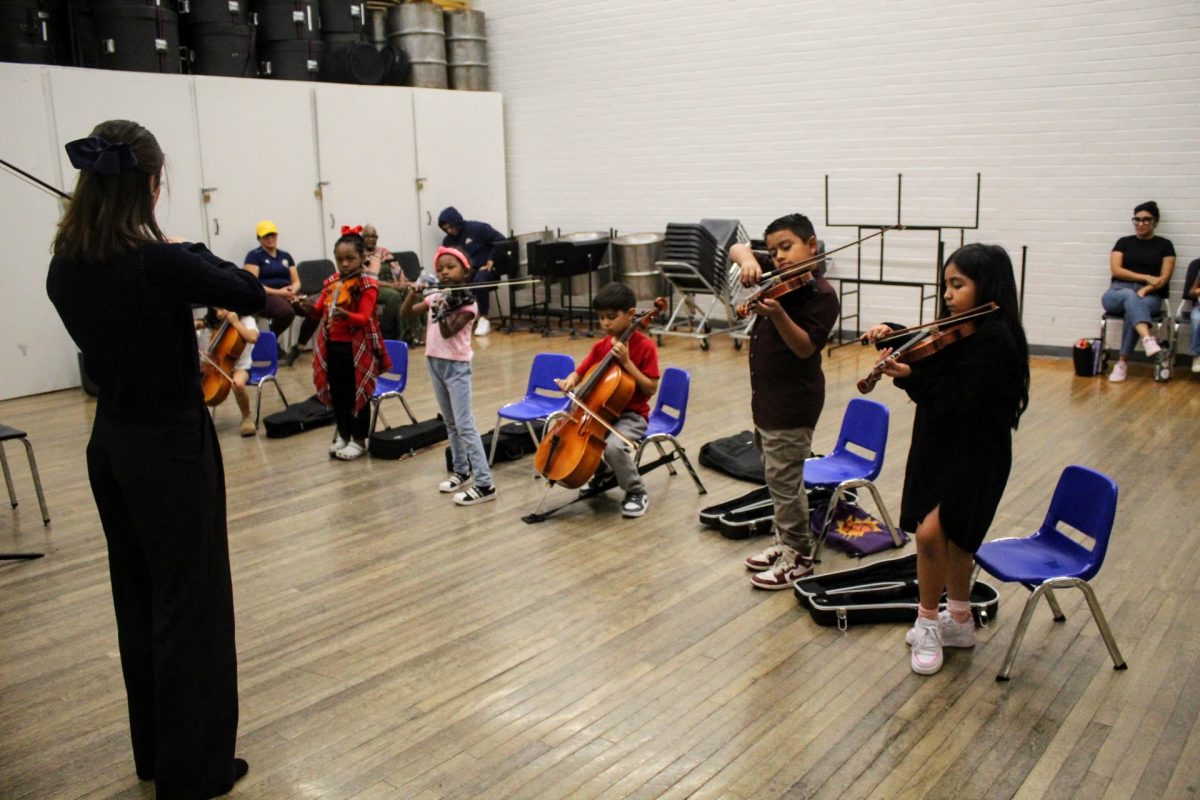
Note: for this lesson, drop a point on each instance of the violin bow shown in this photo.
(205, 357)
(36, 181)
(953, 319)
(809, 263)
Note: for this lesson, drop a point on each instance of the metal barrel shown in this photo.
(418, 30)
(633, 263)
(466, 50)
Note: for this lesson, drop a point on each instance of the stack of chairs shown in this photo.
(696, 261)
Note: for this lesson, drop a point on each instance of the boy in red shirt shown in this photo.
(615, 308)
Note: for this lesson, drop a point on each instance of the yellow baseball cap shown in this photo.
(264, 228)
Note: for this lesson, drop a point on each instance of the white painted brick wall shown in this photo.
(634, 114)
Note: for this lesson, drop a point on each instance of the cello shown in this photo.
(225, 346)
(570, 452)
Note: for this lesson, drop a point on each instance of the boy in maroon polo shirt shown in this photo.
(615, 308)
(787, 390)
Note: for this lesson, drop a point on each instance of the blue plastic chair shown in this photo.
(391, 383)
(542, 396)
(264, 364)
(865, 426)
(1086, 501)
(666, 422)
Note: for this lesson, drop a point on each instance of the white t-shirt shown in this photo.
(204, 336)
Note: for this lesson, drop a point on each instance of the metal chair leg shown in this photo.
(407, 410)
(1102, 623)
(12, 495)
(1055, 608)
(495, 441)
(663, 453)
(1019, 633)
(37, 481)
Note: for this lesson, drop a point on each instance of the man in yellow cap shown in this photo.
(276, 271)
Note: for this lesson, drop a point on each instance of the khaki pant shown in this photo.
(783, 455)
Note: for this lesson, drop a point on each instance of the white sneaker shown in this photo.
(1196, 364)
(1118, 372)
(1150, 345)
(456, 481)
(954, 634)
(338, 444)
(483, 327)
(926, 647)
(351, 451)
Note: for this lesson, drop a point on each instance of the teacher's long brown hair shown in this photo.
(111, 214)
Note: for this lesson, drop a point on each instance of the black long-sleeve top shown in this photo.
(132, 318)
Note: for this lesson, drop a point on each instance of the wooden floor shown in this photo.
(392, 645)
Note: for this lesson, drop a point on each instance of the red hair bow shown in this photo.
(348, 229)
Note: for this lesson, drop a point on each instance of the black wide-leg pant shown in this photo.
(160, 490)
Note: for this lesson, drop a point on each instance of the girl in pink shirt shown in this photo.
(448, 354)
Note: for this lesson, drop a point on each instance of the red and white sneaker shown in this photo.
(787, 569)
(764, 560)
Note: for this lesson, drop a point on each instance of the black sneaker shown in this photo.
(290, 357)
(476, 494)
(635, 504)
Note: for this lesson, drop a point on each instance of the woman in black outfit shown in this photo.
(153, 459)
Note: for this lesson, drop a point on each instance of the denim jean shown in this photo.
(452, 389)
(1122, 298)
(1196, 328)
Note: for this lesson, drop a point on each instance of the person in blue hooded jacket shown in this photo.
(476, 239)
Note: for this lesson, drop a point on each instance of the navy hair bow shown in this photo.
(100, 155)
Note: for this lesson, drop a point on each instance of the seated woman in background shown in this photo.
(276, 271)
(1141, 267)
(1191, 291)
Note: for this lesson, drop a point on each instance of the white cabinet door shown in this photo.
(460, 160)
(258, 159)
(368, 167)
(160, 103)
(37, 354)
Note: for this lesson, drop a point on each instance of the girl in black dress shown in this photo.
(153, 460)
(969, 397)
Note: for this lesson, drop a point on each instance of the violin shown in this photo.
(778, 288)
(452, 301)
(225, 346)
(570, 451)
(339, 293)
(929, 341)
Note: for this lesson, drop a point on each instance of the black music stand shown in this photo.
(506, 262)
(584, 258)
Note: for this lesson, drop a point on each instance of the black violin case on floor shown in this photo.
(407, 440)
(298, 417)
(882, 591)
(752, 513)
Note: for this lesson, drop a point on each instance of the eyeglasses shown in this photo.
(1142, 220)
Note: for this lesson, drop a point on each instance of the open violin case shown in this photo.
(752, 514)
(882, 591)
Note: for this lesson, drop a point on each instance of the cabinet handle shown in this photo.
(216, 227)
(331, 222)
(428, 218)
